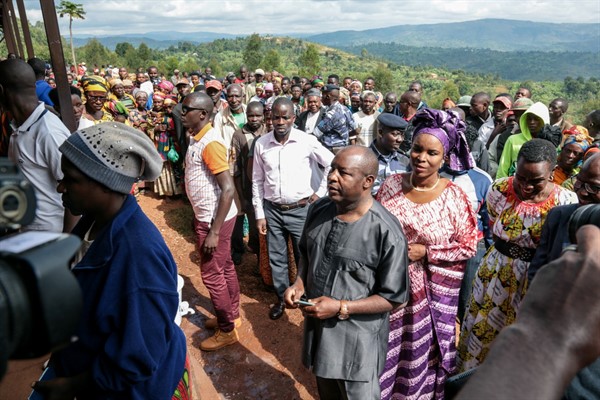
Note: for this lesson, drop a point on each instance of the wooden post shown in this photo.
(8, 29)
(58, 63)
(25, 27)
(13, 16)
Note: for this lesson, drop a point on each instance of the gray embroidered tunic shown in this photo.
(351, 261)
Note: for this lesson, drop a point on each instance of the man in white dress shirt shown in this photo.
(281, 189)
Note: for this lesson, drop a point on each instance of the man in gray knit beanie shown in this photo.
(128, 344)
(113, 154)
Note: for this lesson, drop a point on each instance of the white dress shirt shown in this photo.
(282, 172)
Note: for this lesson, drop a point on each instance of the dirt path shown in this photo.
(266, 363)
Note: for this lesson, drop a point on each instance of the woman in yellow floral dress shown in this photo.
(517, 207)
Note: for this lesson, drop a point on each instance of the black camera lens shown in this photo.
(584, 215)
(10, 203)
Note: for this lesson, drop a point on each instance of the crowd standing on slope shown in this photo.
(384, 220)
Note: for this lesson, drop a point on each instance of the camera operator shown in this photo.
(554, 239)
(37, 134)
(128, 346)
(555, 334)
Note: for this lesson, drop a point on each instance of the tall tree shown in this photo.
(310, 62)
(74, 11)
(144, 53)
(272, 60)
(383, 78)
(252, 53)
(122, 48)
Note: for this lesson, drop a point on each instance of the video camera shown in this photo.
(40, 299)
(584, 215)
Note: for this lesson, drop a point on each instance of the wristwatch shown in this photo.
(343, 314)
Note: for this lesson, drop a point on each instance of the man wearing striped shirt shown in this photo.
(210, 189)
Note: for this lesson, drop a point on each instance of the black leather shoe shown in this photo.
(277, 310)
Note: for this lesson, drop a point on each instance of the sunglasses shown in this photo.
(186, 109)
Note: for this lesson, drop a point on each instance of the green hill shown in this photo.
(513, 65)
(495, 34)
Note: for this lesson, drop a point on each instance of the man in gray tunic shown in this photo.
(353, 268)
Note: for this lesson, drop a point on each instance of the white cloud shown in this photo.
(106, 17)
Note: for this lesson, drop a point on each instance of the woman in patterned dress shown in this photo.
(161, 130)
(441, 228)
(95, 90)
(517, 207)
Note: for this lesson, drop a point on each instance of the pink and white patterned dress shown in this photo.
(421, 346)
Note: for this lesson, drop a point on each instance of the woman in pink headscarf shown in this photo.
(166, 87)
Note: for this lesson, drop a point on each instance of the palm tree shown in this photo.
(74, 11)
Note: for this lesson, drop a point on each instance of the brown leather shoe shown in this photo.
(219, 339)
(277, 310)
(212, 323)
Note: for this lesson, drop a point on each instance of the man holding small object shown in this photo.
(353, 271)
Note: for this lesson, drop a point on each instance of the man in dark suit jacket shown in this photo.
(309, 119)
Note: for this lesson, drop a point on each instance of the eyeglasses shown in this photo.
(96, 98)
(591, 189)
(186, 109)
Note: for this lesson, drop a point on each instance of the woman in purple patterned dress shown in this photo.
(441, 229)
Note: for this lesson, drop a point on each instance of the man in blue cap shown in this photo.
(386, 147)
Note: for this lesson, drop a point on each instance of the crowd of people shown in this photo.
(386, 221)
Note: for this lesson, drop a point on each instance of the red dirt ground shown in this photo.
(265, 364)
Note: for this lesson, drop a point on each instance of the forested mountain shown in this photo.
(494, 34)
(513, 65)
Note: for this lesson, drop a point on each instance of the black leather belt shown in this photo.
(514, 251)
(291, 206)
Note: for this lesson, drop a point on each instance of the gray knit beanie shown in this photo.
(113, 154)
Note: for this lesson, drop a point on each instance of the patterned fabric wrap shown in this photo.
(450, 130)
(184, 388)
(138, 120)
(578, 135)
(166, 86)
(115, 82)
(159, 96)
(265, 266)
(169, 101)
(94, 83)
(116, 108)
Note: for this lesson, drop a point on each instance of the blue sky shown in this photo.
(106, 17)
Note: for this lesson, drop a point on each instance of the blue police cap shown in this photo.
(392, 121)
